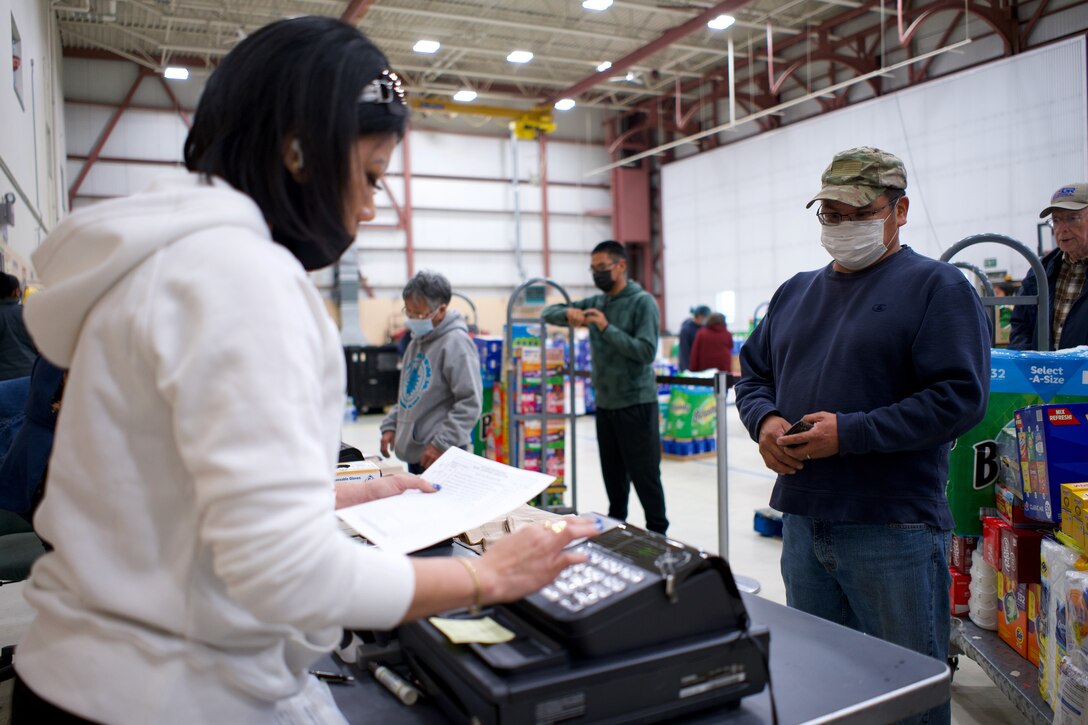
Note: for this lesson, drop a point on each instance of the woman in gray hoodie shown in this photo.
(440, 389)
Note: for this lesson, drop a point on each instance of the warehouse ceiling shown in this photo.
(667, 43)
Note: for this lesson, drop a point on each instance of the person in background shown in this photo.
(623, 324)
(688, 330)
(713, 348)
(199, 569)
(441, 393)
(886, 382)
(1065, 275)
(17, 351)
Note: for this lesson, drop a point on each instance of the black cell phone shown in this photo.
(798, 427)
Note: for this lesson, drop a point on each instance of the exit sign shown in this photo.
(989, 262)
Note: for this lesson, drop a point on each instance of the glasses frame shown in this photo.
(409, 316)
(822, 215)
(609, 268)
(1075, 217)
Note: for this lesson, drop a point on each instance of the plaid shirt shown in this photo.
(1067, 288)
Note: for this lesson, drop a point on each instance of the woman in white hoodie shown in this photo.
(198, 568)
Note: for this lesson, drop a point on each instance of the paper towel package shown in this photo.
(1017, 379)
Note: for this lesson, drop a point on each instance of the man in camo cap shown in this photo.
(1065, 275)
(884, 354)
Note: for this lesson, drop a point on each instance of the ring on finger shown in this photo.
(556, 527)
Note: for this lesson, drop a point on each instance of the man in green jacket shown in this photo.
(623, 326)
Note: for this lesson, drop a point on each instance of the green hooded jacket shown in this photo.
(623, 353)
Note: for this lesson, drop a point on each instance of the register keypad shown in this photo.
(600, 577)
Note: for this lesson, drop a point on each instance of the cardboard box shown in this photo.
(1012, 614)
(1074, 502)
(959, 592)
(1008, 459)
(357, 471)
(1017, 379)
(1020, 555)
(991, 540)
(1034, 603)
(1011, 508)
(1060, 456)
(959, 553)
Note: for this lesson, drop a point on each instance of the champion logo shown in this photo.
(879, 308)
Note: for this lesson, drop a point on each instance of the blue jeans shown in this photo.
(888, 580)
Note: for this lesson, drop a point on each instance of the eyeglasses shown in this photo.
(609, 268)
(833, 218)
(1067, 219)
(386, 88)
(426, 316)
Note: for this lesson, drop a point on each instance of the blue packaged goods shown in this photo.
(1017, 379)
(1058, 449)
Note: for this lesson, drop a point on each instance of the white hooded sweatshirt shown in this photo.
(199, 569)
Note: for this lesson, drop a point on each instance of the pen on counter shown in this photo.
(334, 678)
(396, 684)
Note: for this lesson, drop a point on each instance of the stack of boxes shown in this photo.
(490, 352)
(1031, 465)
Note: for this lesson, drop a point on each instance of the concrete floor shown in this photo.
(692, 501)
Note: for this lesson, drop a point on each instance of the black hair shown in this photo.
(613, 249)
(293, 79)
(431, 287)
(9, 286)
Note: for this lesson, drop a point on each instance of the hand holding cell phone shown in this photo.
(799, 427)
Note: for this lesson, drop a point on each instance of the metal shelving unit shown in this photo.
(514, 419)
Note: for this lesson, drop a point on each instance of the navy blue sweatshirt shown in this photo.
(900, 352)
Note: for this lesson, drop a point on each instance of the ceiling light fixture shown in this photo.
(604, 66)
(721, 22)
(597, 5)
(564, 104)
(464, 95)
(520, 56)
(426, 46)
(176, 73)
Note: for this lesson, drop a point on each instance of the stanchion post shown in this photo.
(721, 389)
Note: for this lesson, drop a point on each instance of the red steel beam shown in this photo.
(355, 11)
(666, 39)
(177, 104)
(406, 217)
(103, 138)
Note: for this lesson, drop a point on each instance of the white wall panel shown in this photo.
(984, 149)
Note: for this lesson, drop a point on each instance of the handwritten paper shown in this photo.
(474, 491)
(482, 630)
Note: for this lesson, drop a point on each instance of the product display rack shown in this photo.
(515, 421)
(1011, 673)
(1014, 675)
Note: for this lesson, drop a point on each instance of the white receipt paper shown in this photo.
(474, 491)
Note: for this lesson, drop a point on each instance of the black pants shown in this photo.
(630, 446)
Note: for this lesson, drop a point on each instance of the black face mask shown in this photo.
(312, 251)
(604, 281)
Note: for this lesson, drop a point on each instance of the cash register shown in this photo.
(646, 629)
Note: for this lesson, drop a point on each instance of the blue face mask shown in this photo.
(419, 328)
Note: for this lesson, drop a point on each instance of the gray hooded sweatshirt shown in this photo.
(440, 391)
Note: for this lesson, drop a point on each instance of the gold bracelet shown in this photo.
(477, 602)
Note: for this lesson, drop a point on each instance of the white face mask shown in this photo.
(855, 245)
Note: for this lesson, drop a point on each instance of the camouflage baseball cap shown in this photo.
(1071, 196)
(858, 176)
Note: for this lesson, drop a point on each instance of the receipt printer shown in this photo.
(645, 630)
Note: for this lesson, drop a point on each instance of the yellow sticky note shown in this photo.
(484, 630)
